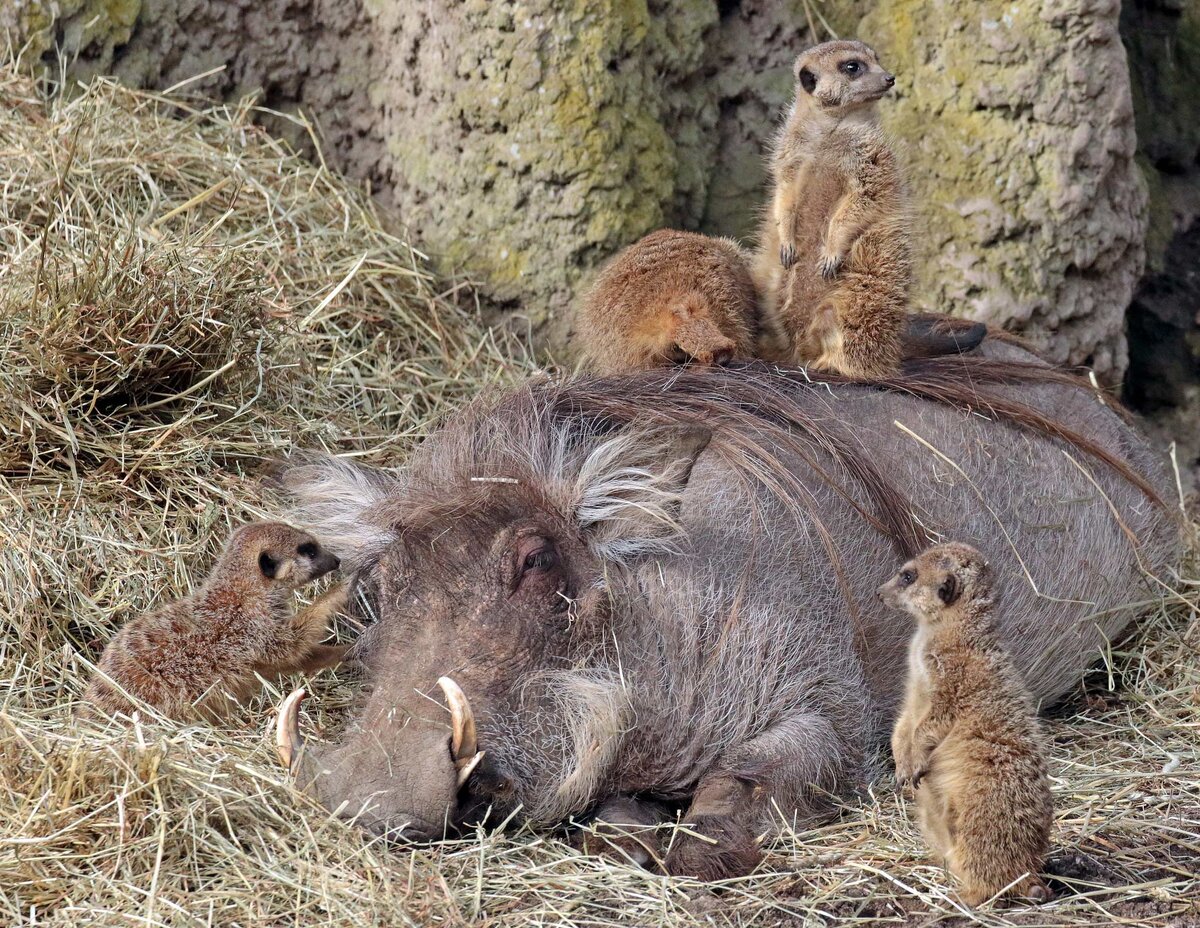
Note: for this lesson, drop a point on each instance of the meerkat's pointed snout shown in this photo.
(889, 79)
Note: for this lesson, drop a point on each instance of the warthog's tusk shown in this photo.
(288, 742)
(464, 744)
(466, 769)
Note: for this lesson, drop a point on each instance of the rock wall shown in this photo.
(1163, 322)
(1019, 121)
(524, 142)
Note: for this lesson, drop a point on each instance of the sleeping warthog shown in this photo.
(657, 591)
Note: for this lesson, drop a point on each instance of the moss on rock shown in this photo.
(93, 27)
(1018, 124)
(546, 146)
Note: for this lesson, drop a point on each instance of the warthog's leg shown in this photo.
(789, 768)
(719, 841)
(626, 829)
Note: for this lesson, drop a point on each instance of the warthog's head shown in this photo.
(486, 568)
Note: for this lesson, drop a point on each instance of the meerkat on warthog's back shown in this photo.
(201, 655)
(967, 738)
(670, 298)
(833, 265)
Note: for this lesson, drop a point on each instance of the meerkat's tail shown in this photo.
(930, 335)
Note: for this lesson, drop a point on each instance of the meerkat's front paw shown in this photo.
(828, 264)
(334, 599)
(787, 255)
(910, 770)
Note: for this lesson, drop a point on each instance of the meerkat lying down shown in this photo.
(200, 656)
(670, 298)
(967, 738)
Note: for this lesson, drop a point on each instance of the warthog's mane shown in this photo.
(596, 449)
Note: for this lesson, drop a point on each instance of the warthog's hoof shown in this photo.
(640, 845)
(718, 849)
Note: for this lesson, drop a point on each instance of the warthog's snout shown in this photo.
(407, 791)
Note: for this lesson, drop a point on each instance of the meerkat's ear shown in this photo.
(273, 569)
(808, 80)
(949, 592)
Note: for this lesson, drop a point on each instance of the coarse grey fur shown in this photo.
(706, 650)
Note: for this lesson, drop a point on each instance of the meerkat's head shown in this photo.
(682, 331)
(277, 553)
(695, 335)
(841, 76)
(938, 579)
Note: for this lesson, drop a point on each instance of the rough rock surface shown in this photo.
(524, 142)
(528, 141)
(1019, 123)
(1163, 321)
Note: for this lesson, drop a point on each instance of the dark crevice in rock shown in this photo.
(1163, 328)
(1164, 339)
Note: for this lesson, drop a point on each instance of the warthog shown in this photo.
(657, 592)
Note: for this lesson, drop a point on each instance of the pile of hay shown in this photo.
(181, 298)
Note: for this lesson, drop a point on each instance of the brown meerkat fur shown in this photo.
(670, 298)
(967, 737)
(199, 656)
(833, 265)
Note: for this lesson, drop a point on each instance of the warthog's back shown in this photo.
(1073, 543)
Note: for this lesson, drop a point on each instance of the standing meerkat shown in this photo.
(670, 298)
(967, 737)
(191, 656)
(833, 266)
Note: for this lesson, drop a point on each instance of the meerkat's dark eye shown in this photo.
(907, 577)
(679, 356)
(308, 549)
(852, 67)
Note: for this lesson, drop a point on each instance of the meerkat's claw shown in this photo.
(787, 255)
(828, 265)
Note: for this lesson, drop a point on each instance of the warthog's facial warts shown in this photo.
(497, 580)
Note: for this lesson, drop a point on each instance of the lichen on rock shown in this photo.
(528, 141)
(1019, 127)
(95, 26)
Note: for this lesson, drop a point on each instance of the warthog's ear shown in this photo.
(338, 502)
(631, 486)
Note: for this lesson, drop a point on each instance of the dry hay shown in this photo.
(241, 302)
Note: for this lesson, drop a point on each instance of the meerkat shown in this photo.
(670, 298)
(967, 737)
(833, 266)
(199, 656)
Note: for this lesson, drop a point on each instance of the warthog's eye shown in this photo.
(544, 559)
(536, 557)
(907, 577)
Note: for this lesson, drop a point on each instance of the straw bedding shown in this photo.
(181, 299)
